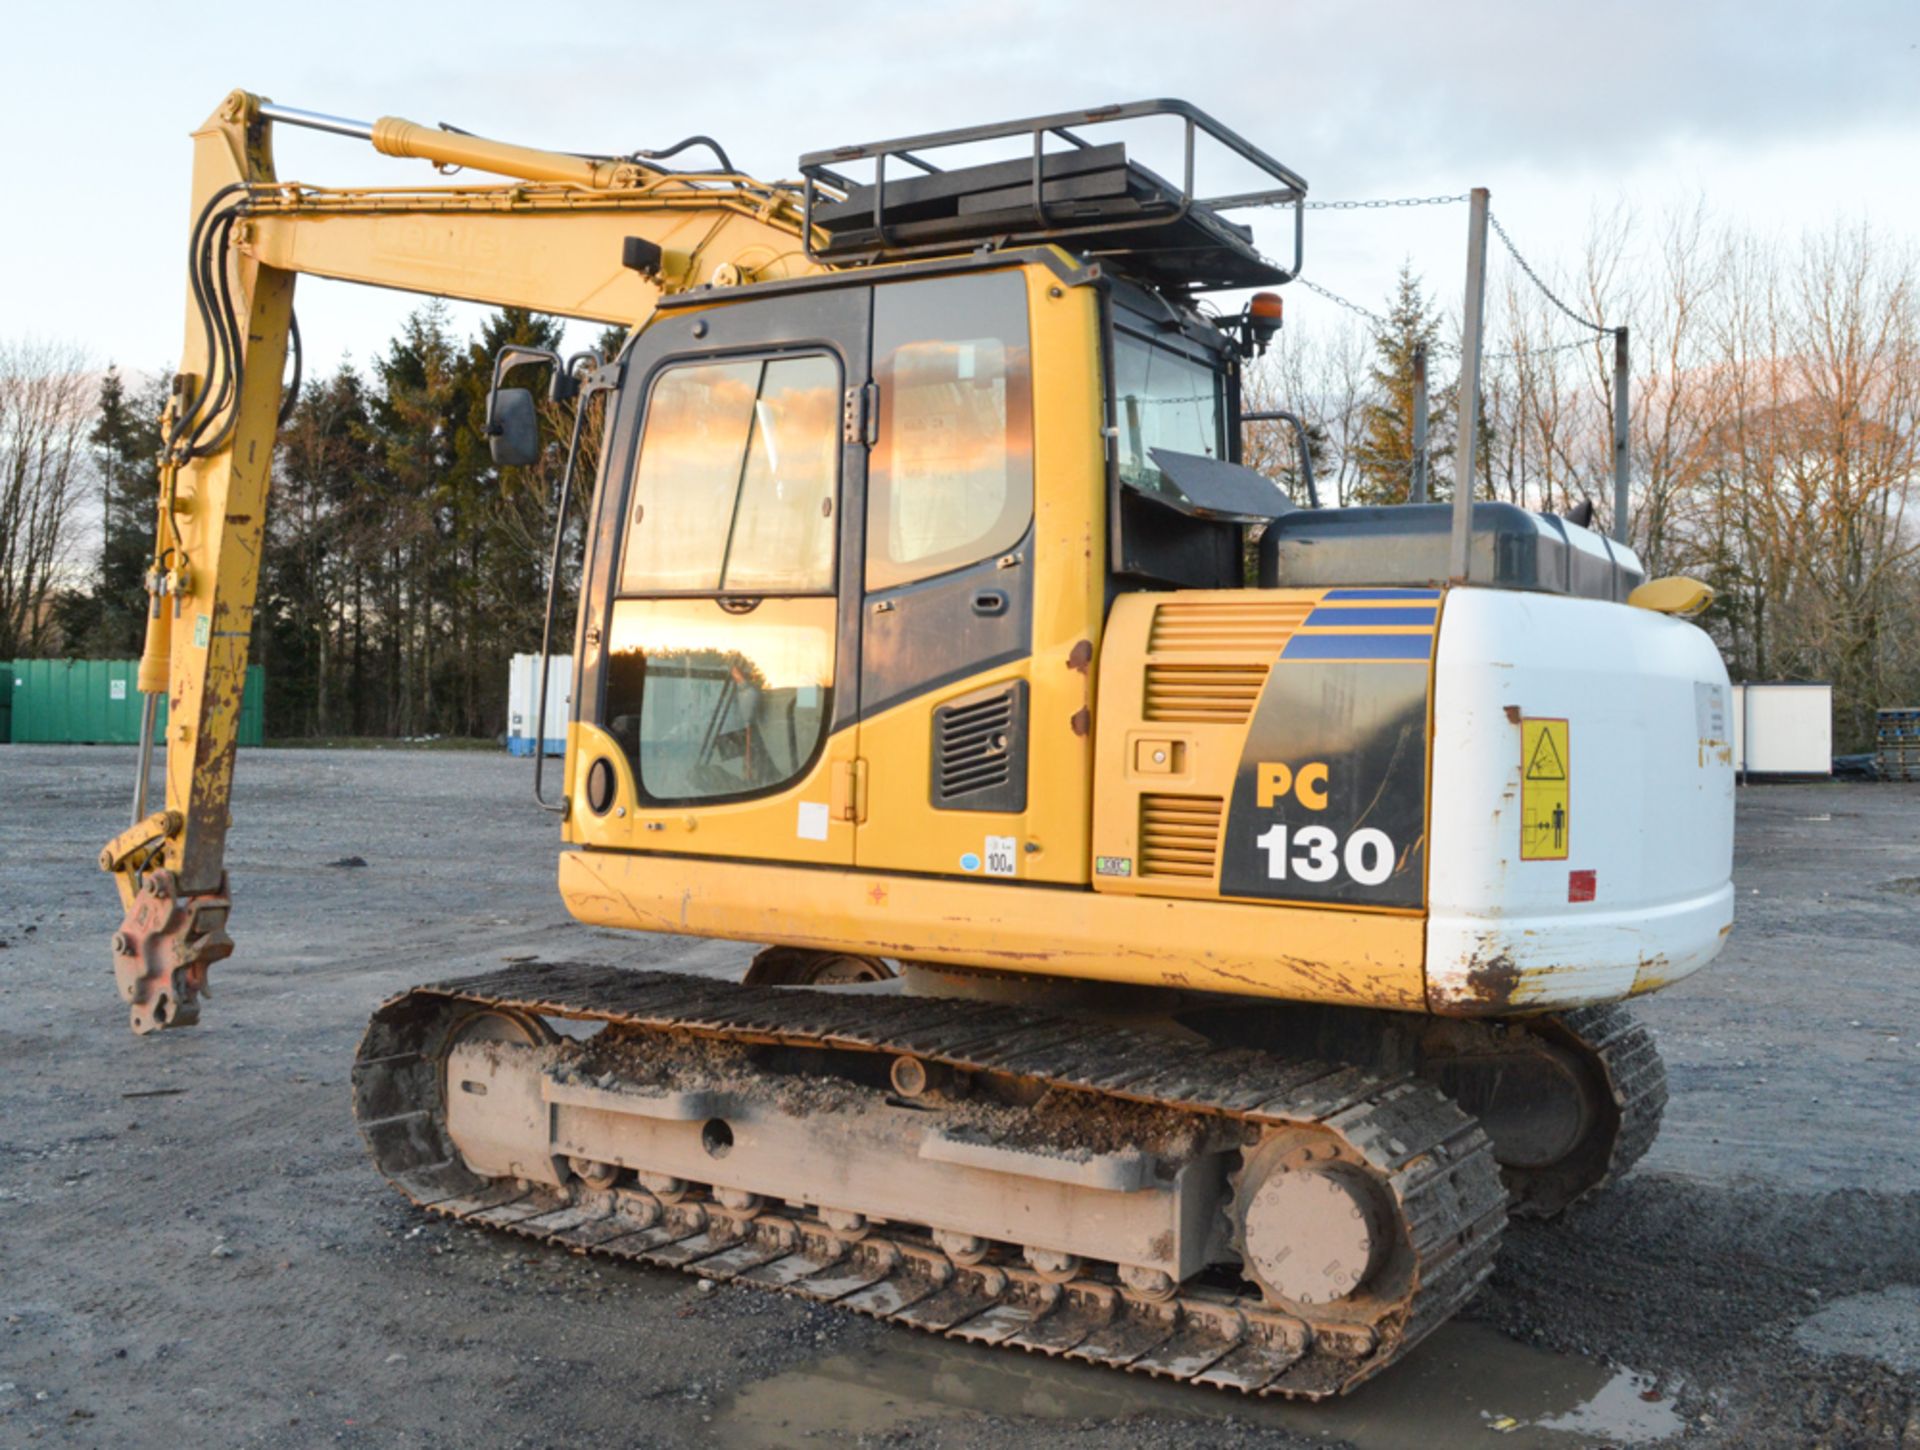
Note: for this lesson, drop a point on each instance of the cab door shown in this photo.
(720, 644)
(947, 584)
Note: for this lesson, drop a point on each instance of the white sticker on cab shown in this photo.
(812, 825)
(1002, 859)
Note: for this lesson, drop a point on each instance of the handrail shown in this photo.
(817, 169)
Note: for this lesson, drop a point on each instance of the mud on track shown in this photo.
(221, 1262)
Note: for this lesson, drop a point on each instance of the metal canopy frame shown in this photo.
(1290, 189)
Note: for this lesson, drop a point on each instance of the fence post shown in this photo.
(1417, 490)
(1620, 434)
(1468, 423)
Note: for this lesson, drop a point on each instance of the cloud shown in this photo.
(1558, 104)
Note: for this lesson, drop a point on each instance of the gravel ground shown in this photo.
(194, 1248)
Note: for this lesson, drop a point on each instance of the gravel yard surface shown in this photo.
(194, 1247)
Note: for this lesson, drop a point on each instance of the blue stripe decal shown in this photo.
(1414, 614)
(1359, 647)
(1383, 594)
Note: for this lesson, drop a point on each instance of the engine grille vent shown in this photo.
(1203, 694)
(1180, 836)
(1236, 626)
(980, 751)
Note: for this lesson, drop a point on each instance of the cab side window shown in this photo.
(950, 479)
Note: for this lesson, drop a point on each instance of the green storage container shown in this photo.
(96, 702)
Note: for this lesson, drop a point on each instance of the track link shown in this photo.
(1436, 1163)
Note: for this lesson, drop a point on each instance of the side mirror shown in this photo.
(513, 428)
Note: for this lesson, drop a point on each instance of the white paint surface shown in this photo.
(1650, 814)
(523, 698)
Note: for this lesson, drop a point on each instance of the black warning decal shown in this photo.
(1330, 801)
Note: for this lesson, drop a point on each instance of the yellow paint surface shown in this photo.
(1308, 954)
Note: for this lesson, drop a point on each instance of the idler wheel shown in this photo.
(1311, 1227)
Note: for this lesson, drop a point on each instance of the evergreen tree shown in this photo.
(307, 617)
(505, 521)
(1385, 461)
(108, 621)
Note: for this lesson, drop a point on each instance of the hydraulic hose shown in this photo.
(189, 415)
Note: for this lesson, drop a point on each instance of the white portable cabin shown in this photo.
(1783, 728)
(523, 703)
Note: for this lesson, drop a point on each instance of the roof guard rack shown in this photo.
(1088, 197)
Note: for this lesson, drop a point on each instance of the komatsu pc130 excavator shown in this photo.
(1161, 970)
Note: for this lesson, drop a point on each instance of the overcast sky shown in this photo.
(1782, 116)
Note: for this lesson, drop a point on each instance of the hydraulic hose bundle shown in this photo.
(211, 286)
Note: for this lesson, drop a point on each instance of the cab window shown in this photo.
(1163, 398)
(721, 652)
(950, 478)
(734, 490)
(712, 704)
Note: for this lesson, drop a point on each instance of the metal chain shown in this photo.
(1378, 204)
(1534, 277)
(1334, 297)
(1575, 346)
(1449, 349)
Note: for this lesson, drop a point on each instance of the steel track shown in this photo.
(1434, 1162)
(1636, 1079)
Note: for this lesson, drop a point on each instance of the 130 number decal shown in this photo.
(1315, 853)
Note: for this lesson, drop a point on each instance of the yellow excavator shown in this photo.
(1194, 919)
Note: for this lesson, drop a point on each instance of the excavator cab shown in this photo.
(854, 534)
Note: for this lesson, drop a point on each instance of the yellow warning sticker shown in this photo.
(1545, 797)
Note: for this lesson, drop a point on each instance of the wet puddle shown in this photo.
(1467, 1385)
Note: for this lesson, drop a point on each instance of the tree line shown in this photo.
(1775, 431)
(401, 569)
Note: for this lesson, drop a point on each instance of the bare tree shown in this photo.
(1324, 377)
(46, 405)
(1774, 429)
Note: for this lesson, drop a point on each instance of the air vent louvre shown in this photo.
(980, 751)
(1236, 626)
(1180, 836)
(1203, 694)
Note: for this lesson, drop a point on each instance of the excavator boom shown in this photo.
(601, 239)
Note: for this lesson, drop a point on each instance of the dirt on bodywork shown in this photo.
(1059, 1122)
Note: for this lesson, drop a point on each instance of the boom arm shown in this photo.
(555, 240)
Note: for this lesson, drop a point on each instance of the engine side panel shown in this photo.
(1266, 745)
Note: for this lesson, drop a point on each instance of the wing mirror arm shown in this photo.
(585, 378)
